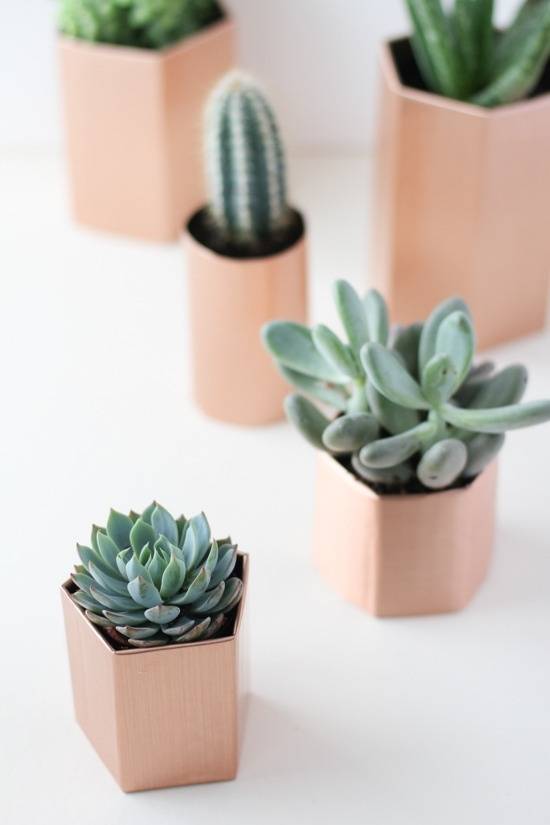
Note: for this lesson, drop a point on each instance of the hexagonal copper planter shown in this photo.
(461, 204)
(403, 555)
(161, 716)
(133, 120)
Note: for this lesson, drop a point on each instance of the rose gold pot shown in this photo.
(161, 716)
(230, 299)
(133, 129)
(403, 555)
(461, 207)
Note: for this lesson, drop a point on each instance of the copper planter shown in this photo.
(133, 122)
(161, 716)
(230, 299)
(461, 205)
(403, 555)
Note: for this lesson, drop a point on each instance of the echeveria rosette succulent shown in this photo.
(157, 580)
(415, 408)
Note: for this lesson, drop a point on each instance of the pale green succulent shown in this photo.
(156, 580)
(415, 410)
(148, 24)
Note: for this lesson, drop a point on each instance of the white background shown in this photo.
(430, 721)
(317, 58)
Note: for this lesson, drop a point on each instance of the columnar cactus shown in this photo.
(415, 410)
(153, 580)
(461, 55)
(143, 23)
(245, 165)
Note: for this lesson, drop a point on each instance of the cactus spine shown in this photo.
(245, 165)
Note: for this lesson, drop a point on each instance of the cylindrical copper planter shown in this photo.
(160, 716)
(230, 299)
(460, 205)
(133, 129)
(403, 555)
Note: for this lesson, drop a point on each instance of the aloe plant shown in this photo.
(143, 23)
(245, 165)
(460, 54)
(152, 580)
(407, 407)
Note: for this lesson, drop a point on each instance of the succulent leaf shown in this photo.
(377, 317)
(118, 529)
(406, 344)
(455, 338)
(428, 337)
(144, 592)
(164, 524)
(196, 633)
(335, 352)
(351, 311)
(387, 452)
(442, 463)
(333, 395)
(162, 613)
(482, 449)
(392, 417)
(107, 582)
(390, 377)
(292, 345)
(499, 419)
(390, 476)
(172, 578)
(505, 387)
(439, 379)
(180, 627)
(348, 433)
(307, 418)
(141, 534)
(196, 588)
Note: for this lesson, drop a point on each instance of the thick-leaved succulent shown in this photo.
(149, 24)
(152, 580)
(408, 407)
(461, 54)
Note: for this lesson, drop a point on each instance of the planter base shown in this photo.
(403, 555)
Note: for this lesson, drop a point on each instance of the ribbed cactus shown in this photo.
(415, 408)
(460, 54)
(245, 165)
(143, 23)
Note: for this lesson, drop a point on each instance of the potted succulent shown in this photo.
(153, 615)
(406, 476)
(135, 74)
(246, 257)
(463, 171)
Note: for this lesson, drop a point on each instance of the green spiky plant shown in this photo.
(151, 580)
(149, 24)
(245, 166)
(411, 414)
(460, 54)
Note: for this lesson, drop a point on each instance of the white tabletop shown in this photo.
(442, 720)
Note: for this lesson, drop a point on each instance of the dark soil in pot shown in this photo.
(204, 231)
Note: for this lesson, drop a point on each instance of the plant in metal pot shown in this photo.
(407, 412)
(245, 252)
(153, 613)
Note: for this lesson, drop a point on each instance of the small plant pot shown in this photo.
(403, 555)
(133, 129)
(461, 203)
(160, 716)
(230, 299)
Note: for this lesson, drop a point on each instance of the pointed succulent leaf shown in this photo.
(225, 566)
(388, 452)
(156, 568)
(133, 516)
(473, 382)
(162, 613)
(358, 402)
(156, 641)
(144, 592)
(164, 524)
(394, 418)
(377, 317)
(231, 596)
(196, 633)
(108, 583)
(391, 476)
(351, 311)
(113, 601)
(86, 601)
(118, 529)
(428, 337)
(335, 352)
(97, 618)
(349, 433)
(172, 578)
(108, 551)
(439, 378)
(145, 556)
(181, 626)
(390, 377)
(95, 531)
(335, 396)
(307, 419)
(135, 618)
(201, 528)
(195, 589)
(182, 527)
(83, 581)
(141, 534)
(135, 568)
(504, 388)
(148, 512)
(215, 624)
(498, 419)
(456, 339)
(190, 549)
(122, 560)
(210, 601)
(406, 342)
(442, 463)
(137, 632)
(292, 345)
(482, 449)
(212, 558)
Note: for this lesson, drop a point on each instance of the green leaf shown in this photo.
(434, 47)
(110, 584)
(482, 449)
(498, 419)
(113, 601)
(156, 568)
(307, 419)
(148, 512)
(122, 560)
(455, 339)
(473, 28)
(211, 600)
(225, 566)
(201, 528)
(335, 396)
(182, 626)
(292, 346)
(348, 433)
(428, 337)
(86, 601)
(406, 343)
(394, 418)
(212, 559)
(108, 551)
(137, 632)
(352, 314)
(442, 464)
(377, 317)
(389, 477)
(135, 568)
(144, 592)
(196, 633)
(141, 534)
(232, 595)
(96, 618)
(135, 618)
(390, 377)
(164, 525)
(335, 352)
(505, 387)
(195, 589)
(172, 578)
(162, 613)
(389, 452)
(118, 529)
(439, 379)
